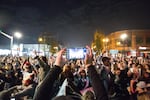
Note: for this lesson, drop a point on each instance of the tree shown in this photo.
(97, 44)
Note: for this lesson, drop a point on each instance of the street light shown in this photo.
(18, 35)
(123, 37)
(40, 39)
(105, 40)
(118, 43)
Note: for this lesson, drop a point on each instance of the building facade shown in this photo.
(135, 40)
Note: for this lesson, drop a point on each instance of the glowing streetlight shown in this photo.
(123, 37)
(118, 43)
(40, 39)
(18, 35)
(105, 40)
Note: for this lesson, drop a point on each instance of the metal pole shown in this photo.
(123, 48)
(11, 39)
(11, 44)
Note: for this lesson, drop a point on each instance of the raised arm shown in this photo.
(96, 83)
(45, 89)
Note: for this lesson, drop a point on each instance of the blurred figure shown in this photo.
(141, 89)
(83, 80)
(26, 90)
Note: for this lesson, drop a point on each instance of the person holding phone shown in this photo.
(44, 92)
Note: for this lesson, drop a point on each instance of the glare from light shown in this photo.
(55, 48)
(123, 36)
(40, 39)
(18, 35)
(118, 43)
(4, 52)
(142, 48)
(105, 40)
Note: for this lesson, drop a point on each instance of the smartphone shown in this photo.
(76, 53)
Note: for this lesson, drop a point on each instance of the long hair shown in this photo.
(143, 96)
(89, 95)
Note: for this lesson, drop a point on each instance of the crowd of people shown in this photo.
(57, 78)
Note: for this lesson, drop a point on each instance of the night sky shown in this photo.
(71, 21)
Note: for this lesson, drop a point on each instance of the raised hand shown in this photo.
(59, 59)
(89, 57)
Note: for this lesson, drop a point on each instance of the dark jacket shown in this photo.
(44, 91)
(97, 84)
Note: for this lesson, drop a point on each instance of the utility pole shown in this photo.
(11, 39)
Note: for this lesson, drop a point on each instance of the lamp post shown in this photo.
(11, 39)
(40, 40)
(118, 43)
(43, 41)
(123, 37)
(105, 40)
(18, 35)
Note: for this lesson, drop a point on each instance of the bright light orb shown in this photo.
(123, 36)
(18, 35)
(40, 39)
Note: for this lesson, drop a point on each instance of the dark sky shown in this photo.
(71, 21)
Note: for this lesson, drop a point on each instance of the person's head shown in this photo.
(67, 68)
(67, 72)
(82, 72)
(120, 65)
(143, 96)
(16, 65)
(106, 61)
(146, 75)
(27, 66)
(43, 58)
(89, 95)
